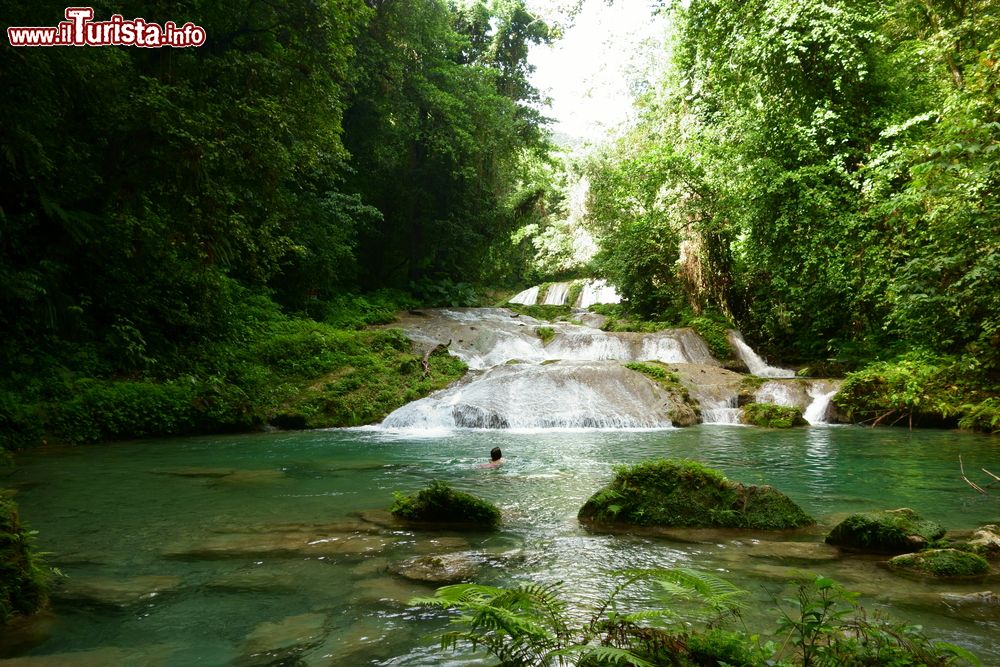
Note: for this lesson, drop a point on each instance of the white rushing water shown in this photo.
(567, 394)
(597, 291)
(556, 294)
(753, 361)
(527, 374)
(721, 411)
(778, 393)
(819, 409)
(526, 298)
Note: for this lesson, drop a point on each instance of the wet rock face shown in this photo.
(942, 563)
(885, 532)
(986, 542)
(679, 493)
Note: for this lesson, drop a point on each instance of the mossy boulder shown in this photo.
(885, 532)
(942, 563)
(23, 579)
(986, 542)
(441, 504)
(772, 415)
(685, 494)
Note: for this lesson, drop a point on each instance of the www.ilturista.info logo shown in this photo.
(79, 29)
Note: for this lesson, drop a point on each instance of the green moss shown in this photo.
(545, 333)
(772, 416)
(573, 294)
(942, 563)
(547, 313)
(684, 493)
(439, 503)
(714, 330)
(684, 415)
(885, 531)
(23, 578)
(367, 386)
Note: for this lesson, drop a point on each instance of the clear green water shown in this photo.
(141, 509)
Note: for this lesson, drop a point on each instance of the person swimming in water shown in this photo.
(496, 458)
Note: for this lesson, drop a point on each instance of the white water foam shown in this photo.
(597, 291)
(777, 393)
(528, 396)
(753, 361)
(819, 408)
(556, 294)
(528, 297)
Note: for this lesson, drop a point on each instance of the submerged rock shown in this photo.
(942, 563)
(320, 543)
(117, 592)
(885, 532)
(279, 643)
(441, 568)
(151, 656)
(681, 493)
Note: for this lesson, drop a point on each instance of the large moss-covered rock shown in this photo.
(772, 415)
(942, 563)
(682, 493)
(885, 532)
(22, 577)
(441, 504)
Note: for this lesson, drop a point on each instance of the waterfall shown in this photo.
(597, 291)
(818, 409)
(720, 411)
(556, 294)
(567, 394)
(753, 361)
(573, 376)
(526, 298)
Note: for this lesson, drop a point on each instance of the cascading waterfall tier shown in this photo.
(753, 361)
(811, 396)
(528, 374)
(591, 292)
(565, 394)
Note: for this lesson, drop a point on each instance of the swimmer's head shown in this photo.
(495, 454)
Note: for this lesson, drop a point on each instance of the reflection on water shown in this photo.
(202, 550)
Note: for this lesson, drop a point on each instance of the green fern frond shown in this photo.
(602, 655)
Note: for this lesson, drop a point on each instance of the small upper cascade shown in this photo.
(566, 394)
(597, 291)
(556, 294)
(487, 337)
(818, 411)
(527, 297)
(753, 361)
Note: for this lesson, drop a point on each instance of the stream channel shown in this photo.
(275, 548)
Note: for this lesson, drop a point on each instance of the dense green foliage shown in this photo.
(923, 389)
(441, 504)
(942, 563)
(157, 203)
(824, 172)
(822, 624)
(23, 578)
(290, 372)
(772, 416)
(681, 493)
(886, 531)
